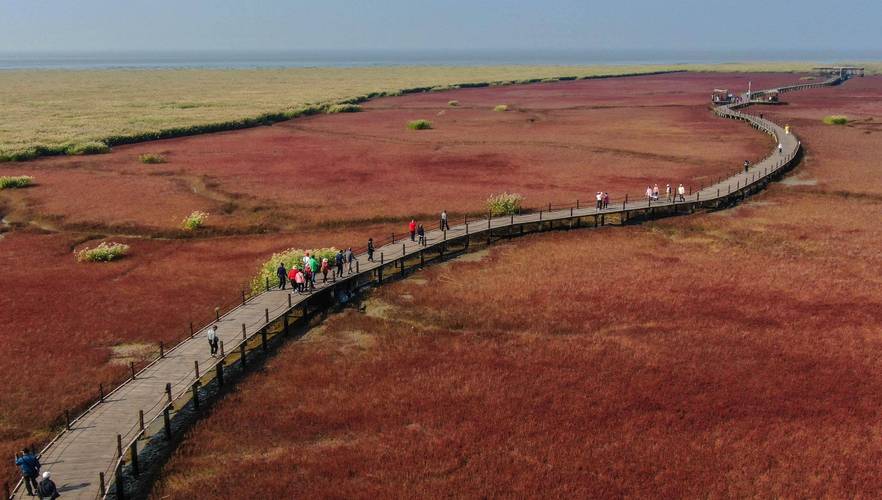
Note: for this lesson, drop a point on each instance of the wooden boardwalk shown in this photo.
(90, 448)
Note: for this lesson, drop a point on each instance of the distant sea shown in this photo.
(368, 58)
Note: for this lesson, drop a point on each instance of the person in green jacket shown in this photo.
(314, 267)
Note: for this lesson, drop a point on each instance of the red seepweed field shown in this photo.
(319, 181)
(726, 354)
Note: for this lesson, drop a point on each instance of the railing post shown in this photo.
(168, 391)
(356, 267)
(219, 369)
(403, 252)
(196, 367)
(101, 392)
(196, 396)
(571, 211)
(244, 336)
(381, 259)
(577, 204)
(120, 486)
(119, 453)
(166, 423)
(217, 313)
(289, 301)
(102, 488)
(540, 214)
(161, 349)
(133, 451)
(132, 368)
(267, 283)
(67, 419)
(266, 315)
(393, 237)
(243, 297)
(221, 343)
(141, 420)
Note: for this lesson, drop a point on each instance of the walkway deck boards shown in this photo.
(77, 456)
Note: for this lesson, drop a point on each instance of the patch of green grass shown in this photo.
(194, 221)
(835, 120)
(152, 158)
(344, 108)
(505, 204)
(15, 181)
(105, 252)
(291, 257)
(419, 125)
(88, 148)
(501, 108)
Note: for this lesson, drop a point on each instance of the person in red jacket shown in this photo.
(412, 229)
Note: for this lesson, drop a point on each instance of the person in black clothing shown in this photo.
(370, 249)
(338, 260)
(746, 165)
(30, 470)
(283, 275)
(47, 489)
(421, 232)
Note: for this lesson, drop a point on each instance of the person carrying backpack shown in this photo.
(30, 470)
(47, 489)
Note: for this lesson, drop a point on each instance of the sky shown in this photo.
(169, 25)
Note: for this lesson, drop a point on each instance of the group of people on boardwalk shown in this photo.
(417, 230)
(304, 275)
(30, 466)
(671, 194)
(601, 200)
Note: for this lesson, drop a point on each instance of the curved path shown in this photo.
(87, 454)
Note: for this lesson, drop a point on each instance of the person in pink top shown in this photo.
(412, 228)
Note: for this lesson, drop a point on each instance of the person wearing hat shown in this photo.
(30, 469)
(47, 488)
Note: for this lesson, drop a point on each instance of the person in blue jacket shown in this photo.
(30, 470)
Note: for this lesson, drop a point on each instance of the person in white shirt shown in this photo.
(682, 192)
(212, 340)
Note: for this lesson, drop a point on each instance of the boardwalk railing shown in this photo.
(178, 380)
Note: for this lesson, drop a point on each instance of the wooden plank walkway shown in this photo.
(77, 456)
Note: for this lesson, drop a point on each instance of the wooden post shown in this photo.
(217, 313)
(403, 253)
(101, 392)
(221, 343)
(266, 315)
(168, 392)
(540, 215)
(219, 369)
(356, 267)
(166, 420)
(489, 216)
(102, 489)
(196, 367)
(120, 487)
(577, 204)
(289, 301)
(119, 446)
(571, 211)
(244, 336)
(382, 261)
(196, 396)
(161, 350)
(243, 297)
(267, 283)
(133, 451)
(132, 368)
(141, 420)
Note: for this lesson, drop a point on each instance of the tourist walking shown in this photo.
(598, 197)
(444, 225)
(47, 489)
(350, 257)
(30, 470)
(299, 279)
(746, 165)
(669, 193)
(421, 233)
(681, 191)
(339, 259)
(655, 192)
(305, 259)
(370, 249)
(314, 268)
(648, 193)
(605, 200)
(307, 278)
(412, 229)
(326, 268)
(282, 273)
(212, 340)
(292, 277)
(780, 148)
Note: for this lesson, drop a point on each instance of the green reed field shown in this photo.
(57, 111)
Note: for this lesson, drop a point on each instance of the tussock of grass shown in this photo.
(505, 204)
(453, 103)
(835, 120)
(419, 125)
(194, 221)
(292, 257)
(152, 158)
(344, 108)
(105, 252)
(501, 108)
(88, 148)
(15, 181)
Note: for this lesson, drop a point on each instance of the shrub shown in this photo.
(504, 204)
(835, 120)
(501, 108)
(152, 158)
(419, 125)
(344, 108)
(105, 252)
(453, 103)
(15, 181)
(195, 220)
(88, 148)
(291, 257)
